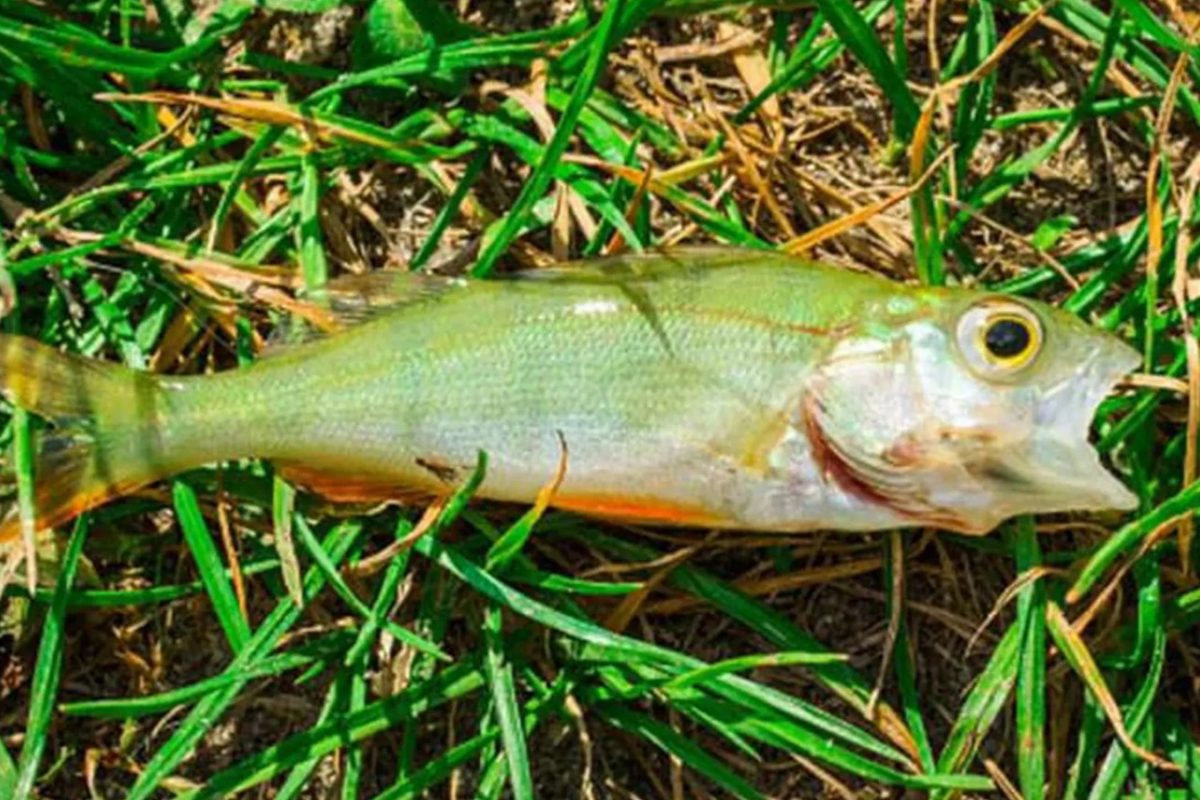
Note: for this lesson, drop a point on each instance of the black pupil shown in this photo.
(1007, 338)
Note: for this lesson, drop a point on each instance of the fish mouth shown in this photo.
(1057, 469)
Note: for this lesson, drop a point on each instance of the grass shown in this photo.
(175, 181)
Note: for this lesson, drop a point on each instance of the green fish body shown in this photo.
(710, 387)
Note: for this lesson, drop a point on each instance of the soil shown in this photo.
(831, 149)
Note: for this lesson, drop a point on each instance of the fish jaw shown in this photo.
(1058, 465)
(1042, 461)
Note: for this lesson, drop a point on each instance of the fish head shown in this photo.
(960, 409)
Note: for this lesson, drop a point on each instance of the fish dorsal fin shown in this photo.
(353, 299)
(647, 266)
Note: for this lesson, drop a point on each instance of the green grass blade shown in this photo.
(983, 704)
(311, 240)
(1087, 752)
(437, 770)
(454, 682)
(1182, 748)
(48, 670)
(332, 706)
(8, 773)
(1101, 108)
(358, 656)
(1031, 668)
(1183, 503)
(740, 718)
(133, 707)
(126, 598)
(499, 237)
(583, 50)
(971, 114)
(257, 150)
(432, 619)
(205, 714)
(747, 663)
(1002, 181)
(1089, 21)
(325, 564)
(902, 661)
(453, 203)
(283, 502)
(625, 647)
(775, 627)
(858, 37)
(671, 741)
(499, 673)
(1113, 775)
(210, 567)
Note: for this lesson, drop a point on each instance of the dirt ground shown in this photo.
(831, 149)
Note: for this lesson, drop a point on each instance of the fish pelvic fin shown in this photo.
(356, 488)
(105, 441)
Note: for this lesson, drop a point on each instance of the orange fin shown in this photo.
(103, 443)
(621, 508)
(345, 487)
(68, 482)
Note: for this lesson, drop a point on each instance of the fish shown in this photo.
(703, 386)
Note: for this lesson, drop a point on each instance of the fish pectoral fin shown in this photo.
(354, 487)
(646, 510)
(755, 451)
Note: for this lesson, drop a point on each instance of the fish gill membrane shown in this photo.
(924, 421)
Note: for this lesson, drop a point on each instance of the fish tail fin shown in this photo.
(105, 442)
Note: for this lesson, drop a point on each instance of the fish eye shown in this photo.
(999, 337)
(1007, 337)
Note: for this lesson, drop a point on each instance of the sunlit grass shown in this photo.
(173, 184)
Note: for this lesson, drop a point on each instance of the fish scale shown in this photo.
(711, 386)
(512, 390)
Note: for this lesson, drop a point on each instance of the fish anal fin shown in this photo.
(354, 487)
(624, 508)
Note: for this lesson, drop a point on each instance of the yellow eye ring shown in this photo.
(1009, 340)
(999, 337)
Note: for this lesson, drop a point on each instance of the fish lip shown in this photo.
(1106, 369)
(1063, 467)
(1109, 368)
